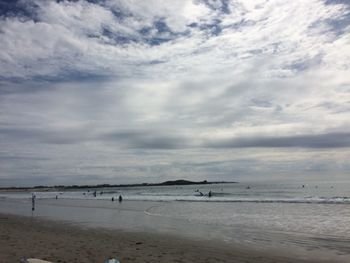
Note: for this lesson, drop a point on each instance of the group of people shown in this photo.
(201, 194)
(120, 199)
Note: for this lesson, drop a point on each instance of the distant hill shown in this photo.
(67, 187)
(183, 182)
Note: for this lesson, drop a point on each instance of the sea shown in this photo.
(310, 219)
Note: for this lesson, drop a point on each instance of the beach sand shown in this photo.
(61, 242)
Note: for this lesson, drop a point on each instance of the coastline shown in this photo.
(61, 242)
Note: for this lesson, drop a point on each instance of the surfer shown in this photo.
(199, 192)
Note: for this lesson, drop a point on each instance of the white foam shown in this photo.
(184, 198)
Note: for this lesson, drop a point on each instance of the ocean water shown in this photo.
(313, 216)
(316, 192)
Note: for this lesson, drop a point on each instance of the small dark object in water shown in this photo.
(113, 199)
(33, 202)
(209, 194)
(120, 198)
(248, 187)
(303, 186)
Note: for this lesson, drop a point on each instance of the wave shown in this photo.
(305, 200)
(181, 198)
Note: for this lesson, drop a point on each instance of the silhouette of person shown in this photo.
(33, 202)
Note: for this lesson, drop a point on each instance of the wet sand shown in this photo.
(61, 242)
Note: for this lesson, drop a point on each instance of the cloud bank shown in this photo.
(225, 83)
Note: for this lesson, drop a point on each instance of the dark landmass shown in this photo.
(70, 187)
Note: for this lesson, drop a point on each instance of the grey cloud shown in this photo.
(305, 64)
(139, 89)
(242, 24)
(337, 2)
(58, 179)
(153, 139)
(223, 6)
(6, 158)
(40, 83)
(24, 181)
(214, 28)
(148, 139)
(18, 8)
(50, 136)
(333, 107)
(159, 33)
(261, 102)
(338, 25)
(328, 140)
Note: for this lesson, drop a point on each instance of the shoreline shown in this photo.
(22, 236)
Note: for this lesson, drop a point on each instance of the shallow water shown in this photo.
(266, 216)
(271, 192)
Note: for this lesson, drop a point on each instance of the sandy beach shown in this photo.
(59, 242)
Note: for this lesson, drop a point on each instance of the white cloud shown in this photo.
(199, 71)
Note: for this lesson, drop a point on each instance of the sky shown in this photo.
(129, 91)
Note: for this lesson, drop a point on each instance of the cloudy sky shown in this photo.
(124, 91)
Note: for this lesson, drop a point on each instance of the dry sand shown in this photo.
(59, 242)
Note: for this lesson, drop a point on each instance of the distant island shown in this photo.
(70, 187)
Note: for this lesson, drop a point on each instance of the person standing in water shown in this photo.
(120, 198)
(33, 201)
